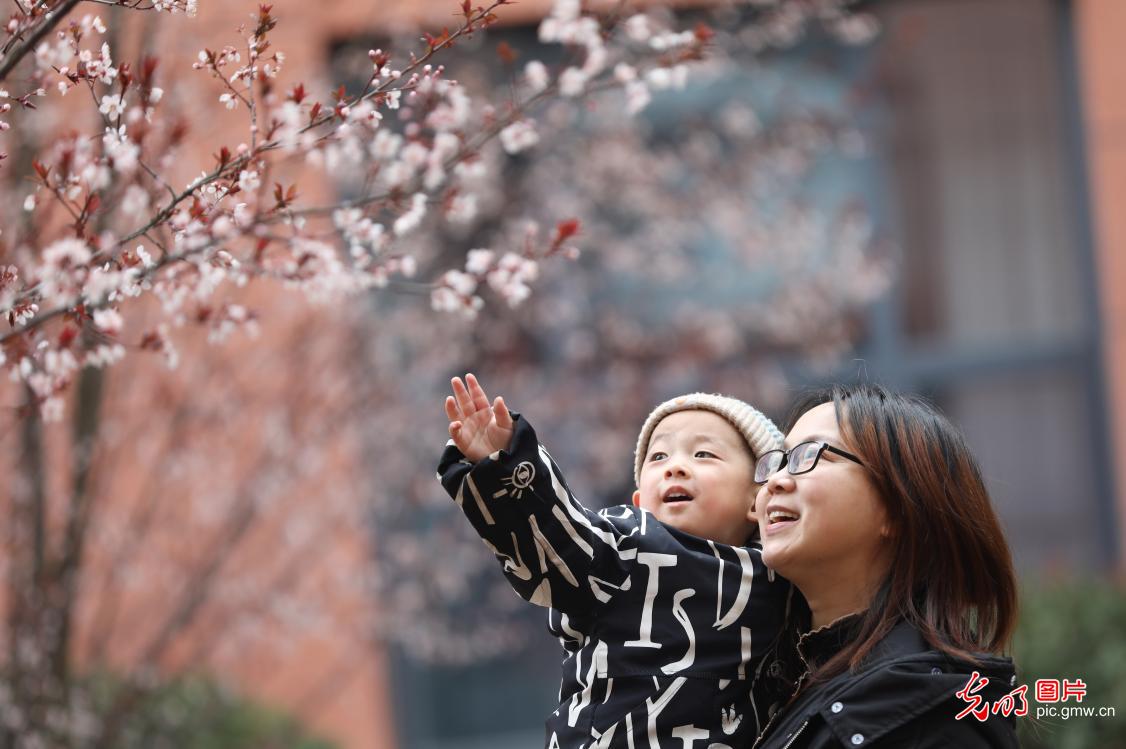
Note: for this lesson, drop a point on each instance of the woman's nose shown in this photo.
(779, 481)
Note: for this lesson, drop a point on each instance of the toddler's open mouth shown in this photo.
(676, 494)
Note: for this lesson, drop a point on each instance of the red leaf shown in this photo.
(564, 230)
(67, 336)
(151, 341)
(148, 68)
(437, 41)
(506, 53)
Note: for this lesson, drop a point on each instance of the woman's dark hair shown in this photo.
(951, 572)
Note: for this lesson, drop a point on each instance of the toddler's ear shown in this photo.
(637, 499)
(752, 514)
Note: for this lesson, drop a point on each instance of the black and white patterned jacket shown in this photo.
(662, 631)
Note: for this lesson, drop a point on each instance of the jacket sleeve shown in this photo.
(554, 551)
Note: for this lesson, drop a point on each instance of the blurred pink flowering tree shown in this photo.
(444, 191)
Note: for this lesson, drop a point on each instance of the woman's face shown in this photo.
(828, 523)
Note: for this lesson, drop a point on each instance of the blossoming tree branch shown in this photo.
(104, 227)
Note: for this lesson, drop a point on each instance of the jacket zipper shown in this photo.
(797, 688)
(778, 715)
(796, 734)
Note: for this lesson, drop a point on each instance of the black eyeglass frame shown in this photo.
(821, 449)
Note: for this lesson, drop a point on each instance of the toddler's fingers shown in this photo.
(480, 400)
(452, 411)
(464, 401)
(500, 410)
(455, 429)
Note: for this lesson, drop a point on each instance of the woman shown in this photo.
(877, 512)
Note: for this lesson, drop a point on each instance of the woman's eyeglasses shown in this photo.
(799, 459)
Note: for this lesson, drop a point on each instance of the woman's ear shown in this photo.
(637, 499)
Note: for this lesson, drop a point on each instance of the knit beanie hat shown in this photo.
(759, 432)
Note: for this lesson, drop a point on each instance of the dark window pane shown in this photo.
(1032, 436)
(979, 153)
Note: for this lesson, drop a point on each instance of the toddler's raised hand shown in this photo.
(477, 428)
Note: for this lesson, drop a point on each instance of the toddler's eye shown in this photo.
(704, 454)
(657, 456)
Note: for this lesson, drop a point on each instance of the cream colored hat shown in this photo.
(759, 432)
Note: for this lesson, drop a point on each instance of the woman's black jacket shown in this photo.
(904, 696)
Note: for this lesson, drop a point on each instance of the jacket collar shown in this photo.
(902, 678)
(819, 645)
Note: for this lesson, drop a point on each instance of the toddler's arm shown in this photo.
(555, 552)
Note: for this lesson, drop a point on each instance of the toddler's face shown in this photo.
(698, 476)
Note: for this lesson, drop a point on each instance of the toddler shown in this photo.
(663, 607)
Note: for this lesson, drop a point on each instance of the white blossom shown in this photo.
(66, 252)
(108, 320)
(637, 28)
(536, 76)
(519, 136)
(248, 180)
(112, 105)
(124, 152)
(410, 220)
(572, 82)
(135, 201)
(479, 261)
